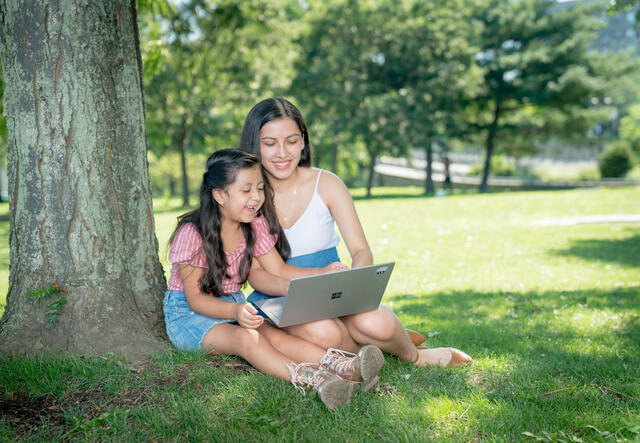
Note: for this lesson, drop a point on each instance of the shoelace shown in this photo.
(311, 378)
(339, 360)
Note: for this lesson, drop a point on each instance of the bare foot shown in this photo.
(445, 357)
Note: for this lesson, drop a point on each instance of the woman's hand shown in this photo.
(246, 316)
(333, 267)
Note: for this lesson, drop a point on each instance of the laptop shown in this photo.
(330, 295)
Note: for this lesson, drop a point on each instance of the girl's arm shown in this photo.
(337, 198)
(266, 282)
(212, 306)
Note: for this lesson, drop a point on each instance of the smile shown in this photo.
(282, 164)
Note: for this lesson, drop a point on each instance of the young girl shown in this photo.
(211, 252)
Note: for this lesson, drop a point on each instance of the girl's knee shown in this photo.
(247, 340)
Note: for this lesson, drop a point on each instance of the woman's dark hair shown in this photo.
(261, 114)
(222, 169)
(266, 111)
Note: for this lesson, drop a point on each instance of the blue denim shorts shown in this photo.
(318, 259)
(185, 327)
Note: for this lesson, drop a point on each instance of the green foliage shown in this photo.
(39, 293)
(166, 177)
(630, 127)
(205, 64)
(54, 309)
(500, 166)
(616, 160)
(537, 77)
(389, 76)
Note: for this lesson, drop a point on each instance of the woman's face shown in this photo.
(280, 147)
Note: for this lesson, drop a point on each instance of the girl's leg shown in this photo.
(293, 347)
(329, 333)
(249, 344)
(253, 346)
(362, 368)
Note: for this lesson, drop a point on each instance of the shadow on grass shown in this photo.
(562, 329)
(625, 251)
(554, 355)
(535, 371)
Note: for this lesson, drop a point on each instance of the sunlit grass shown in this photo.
(550, 314)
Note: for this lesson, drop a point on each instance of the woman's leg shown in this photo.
(329, 333)
(383, 328)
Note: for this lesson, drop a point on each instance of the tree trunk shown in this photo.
(334, 155)
(185, 177)
(373, 156)
(428, 181)
(80, 195)
(491, 134)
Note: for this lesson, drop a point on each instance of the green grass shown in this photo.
(551, 316)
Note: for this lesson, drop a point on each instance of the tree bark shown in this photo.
(428, 181)
(80, 195)
(491, 135)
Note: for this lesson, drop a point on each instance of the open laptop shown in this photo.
(330, 295)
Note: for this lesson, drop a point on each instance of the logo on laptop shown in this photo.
(382, 270)
(336, 295)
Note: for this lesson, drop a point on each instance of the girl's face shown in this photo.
(280, 147)
(243, 198)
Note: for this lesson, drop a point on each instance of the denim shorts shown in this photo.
(318, 259)
(185, 327)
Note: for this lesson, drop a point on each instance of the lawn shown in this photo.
(551, 315)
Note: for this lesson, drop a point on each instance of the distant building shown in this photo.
(619, 32)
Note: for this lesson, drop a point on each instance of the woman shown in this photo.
(307, 202)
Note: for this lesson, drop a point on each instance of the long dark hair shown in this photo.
(222, 169)
(261, 114)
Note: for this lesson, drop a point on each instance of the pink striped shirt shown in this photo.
(186, 248)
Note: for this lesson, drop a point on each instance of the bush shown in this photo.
(500, 166)
(616, 160)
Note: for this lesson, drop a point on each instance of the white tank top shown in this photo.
(315, 229)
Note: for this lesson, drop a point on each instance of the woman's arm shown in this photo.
(273, 263)
(337, 198)
(212, 306)
(270, 274)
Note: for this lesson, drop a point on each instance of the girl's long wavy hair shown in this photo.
(261, 114)
(222, 169)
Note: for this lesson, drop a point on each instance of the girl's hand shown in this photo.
(333, 267)
(246, 316)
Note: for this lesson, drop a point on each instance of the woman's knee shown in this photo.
(380, 324)
(324, 333)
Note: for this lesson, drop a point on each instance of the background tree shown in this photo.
(82, 228)
(431, 59)
(340, 50)
(206, 63)
(533, 58)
